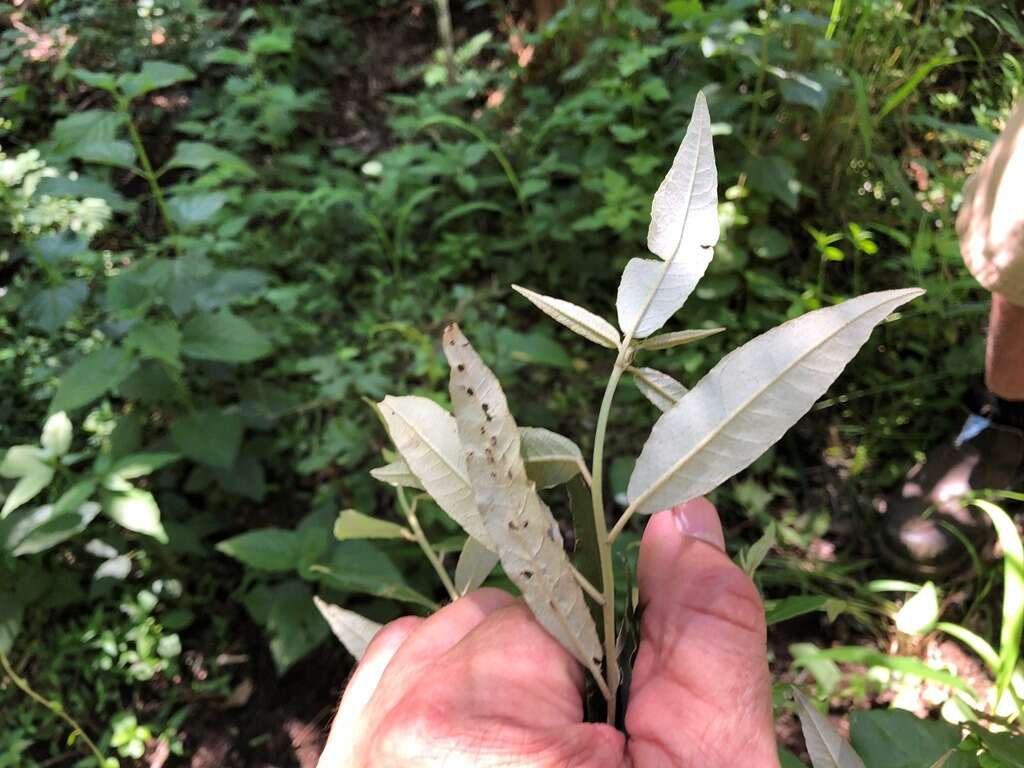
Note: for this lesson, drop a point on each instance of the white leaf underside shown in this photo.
(474, 566)
(651, 291)
(354, 631)
(519, 523)
(749, 400)
(575, 318)
(826, 747)
(683, 231)
(427, 438)
(660, 388)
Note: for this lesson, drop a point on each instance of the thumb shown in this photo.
(700, 693)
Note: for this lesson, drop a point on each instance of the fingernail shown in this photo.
(698, 519)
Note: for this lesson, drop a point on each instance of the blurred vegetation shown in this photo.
(224, 226)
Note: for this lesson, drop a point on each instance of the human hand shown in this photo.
(480, 683)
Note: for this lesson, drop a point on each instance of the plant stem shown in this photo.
(421, 539)
(601, 526)
(149, 174)
(53, 706)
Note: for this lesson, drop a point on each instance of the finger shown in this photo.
(700, 692)
(512, 693)
(361, 686)
(433, 638)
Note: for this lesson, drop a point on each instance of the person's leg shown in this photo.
(1004, 351)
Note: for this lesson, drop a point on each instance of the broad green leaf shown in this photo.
(135, 510)
(209, 436)
(50, 308)
(774, 176)
(223, 337)
(577, 319)
(83, 128)
(56, 437)
(266, 549)
(1013, 592)
(29, 485)
(104, 80)
(28, 532)
(91, 377)
(141, 464)
(352, 524)
(200, 156)
(551, 459)
(427, 438)
(824, 744)
(153, 76)
(474, 566)
(896, 738)
(919, 614)
(520, 526)
(398, 474)
(749, 400)
(660, 388)
(120, 154)
(360, 567)
(354, 631)
(683, 232)
(156, 340)
(677, 338)
(188, 210)
(292, 622)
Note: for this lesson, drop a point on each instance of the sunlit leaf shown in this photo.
(354, 631)
(520, 526)
(749, 400)
(135, 510)
(577, 319)
(398, 474)
(919, 614)
(56, 437)
(352, 524)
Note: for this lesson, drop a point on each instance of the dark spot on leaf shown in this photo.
(494, 440)
(461, 367)
(527, 575)
(485, 406)
(596, 659)
(469, 391)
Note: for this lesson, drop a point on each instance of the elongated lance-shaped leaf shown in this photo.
(398, 474)
(427, 438)
(575, 318)
(824, 744)
(684, 229)
(660, 388)
(684, 213)
(551, 459)
(749, 400)
(520, 525)
(677, 338)
(474, 566)
(354, 631)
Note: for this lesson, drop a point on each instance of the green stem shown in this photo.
(601, 526)
(417, 531)
(53, 706)
(149, 175)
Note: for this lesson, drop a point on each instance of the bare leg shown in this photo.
(1004, 352)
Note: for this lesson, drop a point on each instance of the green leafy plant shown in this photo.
(471, 463)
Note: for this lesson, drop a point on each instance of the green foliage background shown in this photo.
(222, 227)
